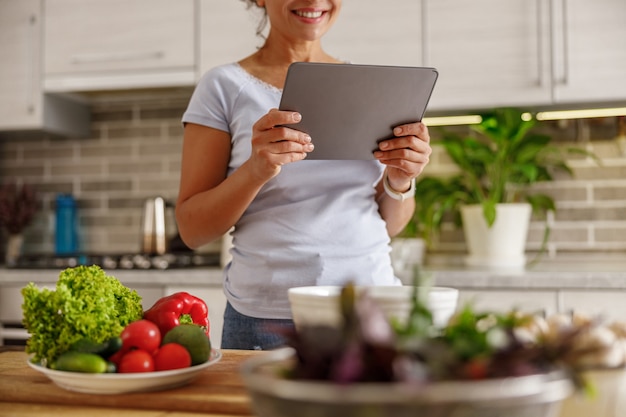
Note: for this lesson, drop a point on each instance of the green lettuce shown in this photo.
(86, 303)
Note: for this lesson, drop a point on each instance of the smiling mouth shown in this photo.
(309, 14)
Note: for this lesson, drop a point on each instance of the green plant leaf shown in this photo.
(489, 211)
(541, 204)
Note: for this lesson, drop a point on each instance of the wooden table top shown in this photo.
(217, 392)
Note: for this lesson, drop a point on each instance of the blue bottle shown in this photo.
(66, 231)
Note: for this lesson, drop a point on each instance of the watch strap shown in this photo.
(410, 193)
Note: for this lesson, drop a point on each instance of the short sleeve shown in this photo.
(208, 104)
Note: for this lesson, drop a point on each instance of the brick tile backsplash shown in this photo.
(133, 152)
(610, 192)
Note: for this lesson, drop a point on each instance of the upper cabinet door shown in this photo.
(20, 32)
(488, 52)
(227, 32)
(94, 44)
(589, 42)
(23, 106)
(370, 32)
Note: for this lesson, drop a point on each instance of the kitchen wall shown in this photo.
(133, 152)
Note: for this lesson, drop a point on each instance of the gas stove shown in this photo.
(119, 261)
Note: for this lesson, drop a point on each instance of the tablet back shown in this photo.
(347, 109)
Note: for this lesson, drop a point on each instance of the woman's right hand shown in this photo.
(274, 145)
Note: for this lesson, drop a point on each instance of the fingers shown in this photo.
(418, 130)
(411, 141)
(277, 117)
(271, 129)
(274, 144)
(408, 152)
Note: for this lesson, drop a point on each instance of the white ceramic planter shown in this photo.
(227, 245)
(503, 245)
(407, 253)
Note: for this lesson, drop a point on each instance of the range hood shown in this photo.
(53, 114)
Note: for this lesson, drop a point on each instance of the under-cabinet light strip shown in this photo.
(581, 114)
(471, 119)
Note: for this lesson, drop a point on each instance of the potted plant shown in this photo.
(18, 205)
(497, 168)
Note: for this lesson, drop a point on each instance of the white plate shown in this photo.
(124, 383)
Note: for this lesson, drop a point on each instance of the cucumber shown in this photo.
(104, 349)
(111, 368)
(88, 346)
(113, 345)
(80, 362)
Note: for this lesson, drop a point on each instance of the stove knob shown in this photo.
(160, 262)
(126, 262)
(108, 262)
(142, 261)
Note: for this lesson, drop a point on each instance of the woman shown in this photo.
(296, 222)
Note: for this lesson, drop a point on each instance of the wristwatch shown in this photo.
(410, 193)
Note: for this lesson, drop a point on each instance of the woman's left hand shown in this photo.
(406, 155)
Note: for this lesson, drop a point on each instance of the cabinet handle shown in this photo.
(563, 80)
(540, 80)
(552, 43)
(115, 56)
(425, 50)
(565, 44)
(33, 50)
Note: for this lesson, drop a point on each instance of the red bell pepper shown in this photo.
(179, 308)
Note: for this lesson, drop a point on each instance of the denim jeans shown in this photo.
(250, 333)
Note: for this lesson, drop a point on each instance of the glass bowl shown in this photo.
(276, 396)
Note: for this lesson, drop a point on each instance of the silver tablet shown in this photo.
(347, 109)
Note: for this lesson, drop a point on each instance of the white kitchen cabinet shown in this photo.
(488, 52)
(23, 105)
(527, 301)
(227, 32)
(114, 44)
(368, 32)
(494, 53)
(589, 43)
(216, 301)
(609, 305)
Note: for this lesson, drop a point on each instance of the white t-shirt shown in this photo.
(316, 223)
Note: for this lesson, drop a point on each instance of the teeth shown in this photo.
(309, 15)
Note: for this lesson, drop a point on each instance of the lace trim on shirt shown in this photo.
(258, 81)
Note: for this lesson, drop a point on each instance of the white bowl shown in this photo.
(319, 305)
(114, 383)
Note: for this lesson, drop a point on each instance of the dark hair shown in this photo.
(263, 22)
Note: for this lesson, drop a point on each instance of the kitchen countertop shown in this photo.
(571, 274)
(197, 276)
(578, 273)
(218, 391)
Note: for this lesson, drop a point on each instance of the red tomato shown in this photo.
(171, 356)
(476, 368)
(141, 334)
(137, 360)
(117, 356)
